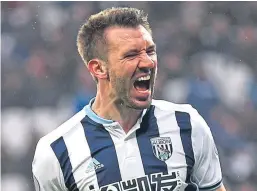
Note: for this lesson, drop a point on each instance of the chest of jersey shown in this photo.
(152, 157)
(137, 163)
(129, 169)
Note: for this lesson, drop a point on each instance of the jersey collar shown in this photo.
(92, 115)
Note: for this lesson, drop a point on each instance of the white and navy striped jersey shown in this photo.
(169, 148)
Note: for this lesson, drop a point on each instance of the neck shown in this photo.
(112, 109)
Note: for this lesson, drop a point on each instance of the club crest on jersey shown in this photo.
(162, 147)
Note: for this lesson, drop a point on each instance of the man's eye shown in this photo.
(151, 52)
(130, 55)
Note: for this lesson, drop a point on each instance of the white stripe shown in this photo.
(80, 157)
(207, 171)
(168, 127)
(129, 158)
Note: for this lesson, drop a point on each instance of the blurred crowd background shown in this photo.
(207, 54)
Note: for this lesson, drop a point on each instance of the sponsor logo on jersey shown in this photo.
(94, 165)
(162, 147)
(153, 182)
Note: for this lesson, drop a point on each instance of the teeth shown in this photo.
(144, 78)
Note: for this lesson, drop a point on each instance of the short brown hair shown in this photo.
(90, 40)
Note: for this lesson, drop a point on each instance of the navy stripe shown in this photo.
(183, 120)
(212, 187)
(103, 150)
(149, 129)
(61, 152)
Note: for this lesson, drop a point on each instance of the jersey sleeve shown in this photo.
(47, 174)
(207, 171)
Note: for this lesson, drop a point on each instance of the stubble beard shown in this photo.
(122, 92)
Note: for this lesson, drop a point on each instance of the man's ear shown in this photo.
(98, 68)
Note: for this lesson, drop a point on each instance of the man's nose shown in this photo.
(146, 62)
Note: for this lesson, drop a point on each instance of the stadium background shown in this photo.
(207, 57)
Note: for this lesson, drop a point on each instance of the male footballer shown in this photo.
(123, 140)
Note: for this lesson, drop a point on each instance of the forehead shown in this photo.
(120, 38)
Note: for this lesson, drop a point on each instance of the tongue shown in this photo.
(140, 86)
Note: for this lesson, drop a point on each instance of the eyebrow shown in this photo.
(153, 46)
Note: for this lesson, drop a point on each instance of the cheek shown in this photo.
(154, 59)
(129, 67)
(155, 63)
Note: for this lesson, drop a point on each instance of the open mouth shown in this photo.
(142, 83)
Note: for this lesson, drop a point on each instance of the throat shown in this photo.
(128, 122)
